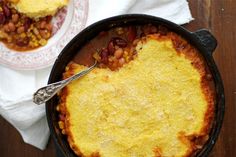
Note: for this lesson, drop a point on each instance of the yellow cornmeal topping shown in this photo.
(39, 8)
(143, 106)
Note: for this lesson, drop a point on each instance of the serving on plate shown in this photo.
(32, 37)
(156, 91)
(27, 24)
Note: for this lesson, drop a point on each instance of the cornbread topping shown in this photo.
(39, 8)
(160, 103)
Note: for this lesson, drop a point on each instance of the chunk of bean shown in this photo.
(111, 47)
(20, 29)
(118, 53)
(6, 28)
(11, 26)
(43, 24)
(104, 56)
(49, 27)
(15, 18)
(27, 23)
(119, 42)
(6, 11)
(44, 34)
(121, 61)
(2, 18)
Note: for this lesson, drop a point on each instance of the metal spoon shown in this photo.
(45, 93)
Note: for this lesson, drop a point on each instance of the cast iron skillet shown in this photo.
(201, 39)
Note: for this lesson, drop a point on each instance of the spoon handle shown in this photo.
(47, 92)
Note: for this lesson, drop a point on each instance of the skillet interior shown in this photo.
(201, 39)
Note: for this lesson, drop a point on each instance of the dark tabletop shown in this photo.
(219, 16)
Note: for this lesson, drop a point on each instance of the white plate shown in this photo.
(67, 23)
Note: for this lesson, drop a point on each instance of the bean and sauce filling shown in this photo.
(121, 43)
(21, 33)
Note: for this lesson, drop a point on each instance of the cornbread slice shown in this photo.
(39, 8)
(159, 104)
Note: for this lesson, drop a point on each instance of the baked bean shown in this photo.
(2, 18)
(13, 11)
(104, 56)
(27, 23)
(43, 24)
(111, 59)
(121, 61)
(37, 24)
(49, 27)
(20, 29)
(11, 26)
(6, 10)
(62, 117)
(44, 34)
(116, 47)
(111, 47)
(15, 18)
(6, 28)
(115, 64)
(135, 42)
(118, 53)
(119, 42)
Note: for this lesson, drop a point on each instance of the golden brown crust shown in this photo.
(64, 115)
(182, 46)
(195, 141)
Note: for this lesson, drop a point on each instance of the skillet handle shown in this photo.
(207, 40)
